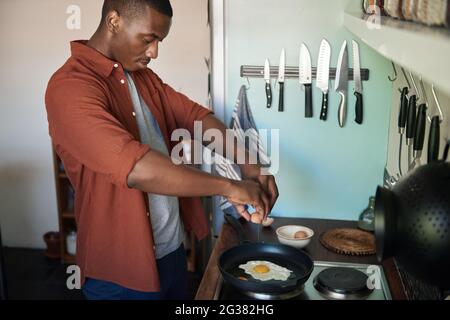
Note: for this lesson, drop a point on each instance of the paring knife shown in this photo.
(323, 74)
(341, 84)
(358, 84)
(268, 86)
(281, 71)
(305, 78)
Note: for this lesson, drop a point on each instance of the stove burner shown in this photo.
(342, 283)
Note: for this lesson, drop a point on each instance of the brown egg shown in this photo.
(300, 235)
(256, 218)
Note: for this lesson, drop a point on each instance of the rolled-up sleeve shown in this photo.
(81, 124)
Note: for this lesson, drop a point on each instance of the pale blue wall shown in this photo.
(325, 171)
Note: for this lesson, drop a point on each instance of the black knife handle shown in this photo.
(433, 140)
(411, 119)
(403, 109)
(308, 101)
(324, 110)
(420, 128)
(359, 108)
(281, 97)
(268, 95)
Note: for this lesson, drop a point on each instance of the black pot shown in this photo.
(412, 223)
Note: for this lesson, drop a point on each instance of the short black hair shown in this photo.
(133, 8)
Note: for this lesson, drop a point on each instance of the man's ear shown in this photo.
(113, 21)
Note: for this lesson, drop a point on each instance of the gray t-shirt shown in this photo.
(168, 231)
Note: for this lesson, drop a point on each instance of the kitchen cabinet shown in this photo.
(419, 48)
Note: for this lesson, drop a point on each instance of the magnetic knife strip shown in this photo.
(292, 72)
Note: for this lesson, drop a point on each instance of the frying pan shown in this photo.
(285, 256)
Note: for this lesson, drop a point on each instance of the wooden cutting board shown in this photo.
(347, 241)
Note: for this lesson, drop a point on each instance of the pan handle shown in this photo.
(237, 227)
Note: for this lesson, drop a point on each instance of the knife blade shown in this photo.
(268, 86)
(305, 78)
(281, 70)
(359, 107)
(323, 74)
(341, 83)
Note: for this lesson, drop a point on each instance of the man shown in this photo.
(110, 119)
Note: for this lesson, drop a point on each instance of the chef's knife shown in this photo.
(341, 83)
(323, 73)
(268, 87)
(358, 83)
(281, 80)
(305, 78)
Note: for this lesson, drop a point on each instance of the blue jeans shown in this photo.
(172, 271)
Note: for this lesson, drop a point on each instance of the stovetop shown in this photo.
(375, 273)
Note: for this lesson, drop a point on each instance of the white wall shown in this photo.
(34, 43)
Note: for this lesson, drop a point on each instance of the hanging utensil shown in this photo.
(435, 135)
(411, 120)
(403, 112)
(323, 74)
(341, 84)
(359, 107)
(281, 71)
(305, 78)
(268, 85)
(420, 135)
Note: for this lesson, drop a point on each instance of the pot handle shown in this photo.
(237, 227)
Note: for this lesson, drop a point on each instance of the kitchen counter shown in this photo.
(228, 238)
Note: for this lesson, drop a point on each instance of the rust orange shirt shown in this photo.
(94, 132)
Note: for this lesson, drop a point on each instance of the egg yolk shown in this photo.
(260, 268)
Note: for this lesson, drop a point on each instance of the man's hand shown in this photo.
(249, 192)
(267, 182)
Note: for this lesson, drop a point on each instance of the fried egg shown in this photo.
(265, 270)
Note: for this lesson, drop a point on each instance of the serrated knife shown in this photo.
(281, 70)
(359, 109)
(341, 84)
(323, 74)
(305, 78)
(268, 86)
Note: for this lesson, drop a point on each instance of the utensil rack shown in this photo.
(293, 72)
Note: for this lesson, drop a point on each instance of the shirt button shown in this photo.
(122, 81)
(154, 247)
(148, 213)
(134, 115)
(116, 65)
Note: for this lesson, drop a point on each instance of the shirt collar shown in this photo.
(100, 62)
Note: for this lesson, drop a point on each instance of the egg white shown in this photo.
(275, 272)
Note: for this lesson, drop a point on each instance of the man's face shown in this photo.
(136, 41)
